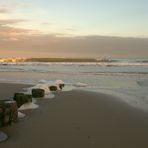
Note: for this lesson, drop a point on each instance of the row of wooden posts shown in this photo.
(9, 108)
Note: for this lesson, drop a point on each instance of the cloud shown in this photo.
(71, 29)
(3, 10)
(13, 4)
(51, 45)
(10, 21)
(8, 31)
(15, 34)
(33, 43)
(46, 23)
(19, 4)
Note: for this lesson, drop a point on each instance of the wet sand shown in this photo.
(78, 119)
(7, 90)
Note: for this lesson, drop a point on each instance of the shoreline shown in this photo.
(78, 119)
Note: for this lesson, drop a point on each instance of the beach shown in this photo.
(71, 79)
(77, 119)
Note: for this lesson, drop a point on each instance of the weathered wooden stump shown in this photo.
(22, 98)
(53, 88)
(61, 86)
(14, 110)
(38, 93)
(18, 97)
(1, 116)
(8, 112)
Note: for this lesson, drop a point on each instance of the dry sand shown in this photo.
(78, 119)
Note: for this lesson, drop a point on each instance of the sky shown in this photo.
(73, 28)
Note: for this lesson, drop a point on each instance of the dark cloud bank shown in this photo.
(4, 10)
(29, 43)
(90, 46)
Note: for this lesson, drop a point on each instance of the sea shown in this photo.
(126, 79)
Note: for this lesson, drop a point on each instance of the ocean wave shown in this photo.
(143, 83)
(108, 62)
(27, 106)
(79, 84)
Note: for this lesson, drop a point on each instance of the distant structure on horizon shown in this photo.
(12, 60)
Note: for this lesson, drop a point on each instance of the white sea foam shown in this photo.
(3, 136)
(27, 106)
(59, 82)
(49, 96)
(42, 81)
(79, 84)
(21, 115)
(68, 88)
